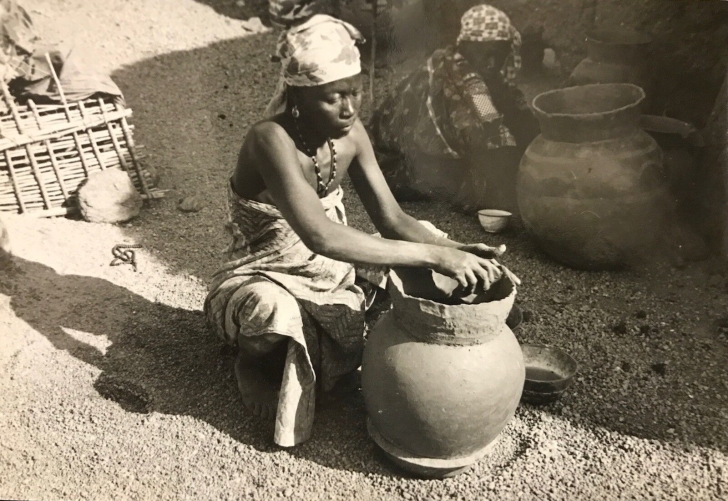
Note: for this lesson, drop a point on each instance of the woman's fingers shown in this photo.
(511, 276)
(491, 267)
(472, 281)
(484, 278)
(500, 250)
(462, 281)
(485, 251)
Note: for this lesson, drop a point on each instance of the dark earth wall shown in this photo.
(688, 56)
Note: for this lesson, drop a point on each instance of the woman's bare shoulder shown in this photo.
(268, 144)
(268, 133)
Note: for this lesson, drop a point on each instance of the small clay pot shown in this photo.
(493, 220)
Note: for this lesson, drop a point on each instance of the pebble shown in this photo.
(659, 367)
(193, 203)
(620, 327)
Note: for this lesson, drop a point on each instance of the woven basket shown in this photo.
(48, 151)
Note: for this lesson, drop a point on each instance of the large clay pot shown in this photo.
(441, 381)
(615, 56)
(592, 188)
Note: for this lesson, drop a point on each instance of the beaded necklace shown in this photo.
(322, 188)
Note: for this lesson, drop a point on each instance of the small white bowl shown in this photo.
(493, 220)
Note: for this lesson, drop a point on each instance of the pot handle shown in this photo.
(651, 175)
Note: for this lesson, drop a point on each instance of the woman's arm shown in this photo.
(384, 210)
(272, 150)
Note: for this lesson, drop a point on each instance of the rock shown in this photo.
(255, 25)
(626, 366)
(109, 197)
(620, 328)
(641, 314)
(660, 368)
(559, 300)
(721, 325)
(193, 203)
(527, 316)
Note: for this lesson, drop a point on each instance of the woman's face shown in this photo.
(488, 58)
(332, 107)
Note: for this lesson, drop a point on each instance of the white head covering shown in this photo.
(319, 51)
(484, 23)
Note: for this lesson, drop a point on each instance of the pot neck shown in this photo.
(456, 325)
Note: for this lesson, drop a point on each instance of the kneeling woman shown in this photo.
(457, 127)
(287, 297)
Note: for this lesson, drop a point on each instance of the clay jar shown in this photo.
(441, 381)
(591, 188)
(614, 56)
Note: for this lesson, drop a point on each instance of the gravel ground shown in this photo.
(112, 388)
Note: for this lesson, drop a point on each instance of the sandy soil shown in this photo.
(113, 389)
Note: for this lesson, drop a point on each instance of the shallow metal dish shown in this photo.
(549, 372)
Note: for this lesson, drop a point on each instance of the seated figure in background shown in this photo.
(457, 127)
(287, 298)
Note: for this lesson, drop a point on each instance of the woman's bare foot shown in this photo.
(259, 390)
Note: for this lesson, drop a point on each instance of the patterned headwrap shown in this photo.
(319, 51)
(286, 13)
(484, 23)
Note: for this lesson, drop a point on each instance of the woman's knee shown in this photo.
(263, 344)
(261, 313)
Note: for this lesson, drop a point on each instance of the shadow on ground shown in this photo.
(240, 9)
(163, 359)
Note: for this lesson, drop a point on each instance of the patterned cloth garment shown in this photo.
(445, 107)
(442, 109)
(321, 50)
(272, 283)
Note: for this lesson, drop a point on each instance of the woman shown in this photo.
(457, 127)
(287, 298)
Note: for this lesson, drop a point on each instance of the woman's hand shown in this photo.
(484, 251)
(487, 252)
(508, 273)
(470, 271)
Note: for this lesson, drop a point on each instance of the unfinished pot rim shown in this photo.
(639, 92)
(632, 37)
(403, 297)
